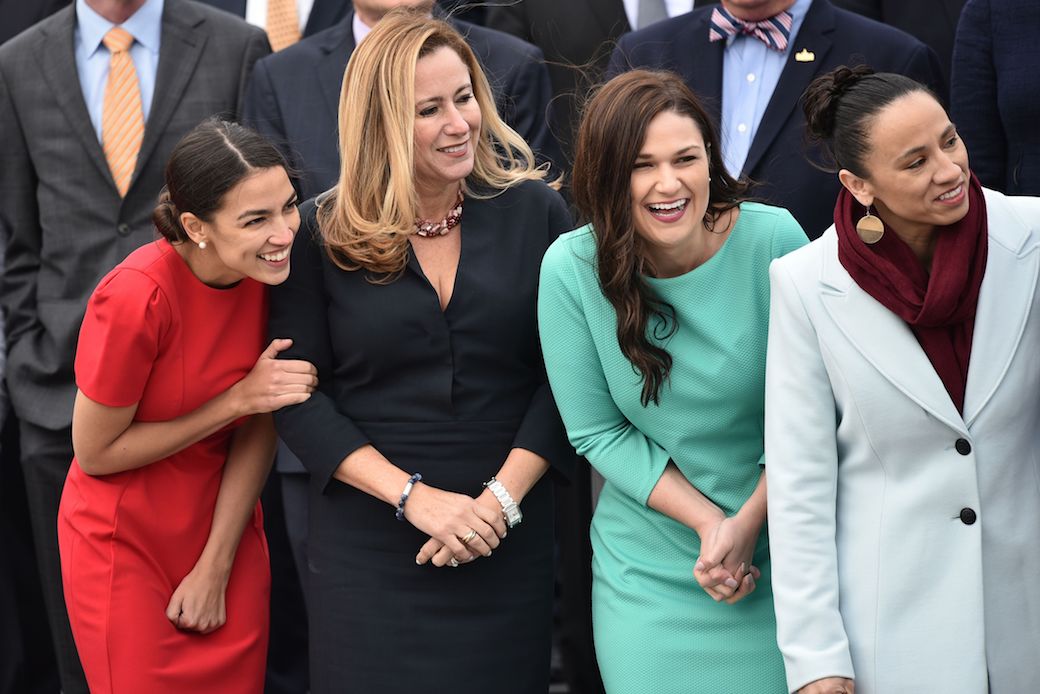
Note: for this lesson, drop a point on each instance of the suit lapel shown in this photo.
(337, 48)
(699, 61)
(324, 13)
(883, 339)
(814, 36)
(1006, 297)
(182, 44)
(56, 54)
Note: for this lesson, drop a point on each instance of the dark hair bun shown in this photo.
(165, 217)
(823, 96)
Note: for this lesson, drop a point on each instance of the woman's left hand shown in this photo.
(725, 561)
(438, 554)
(198, 602)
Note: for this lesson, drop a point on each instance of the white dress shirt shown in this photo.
(256, 12)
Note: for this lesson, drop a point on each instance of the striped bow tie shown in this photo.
(773, 32)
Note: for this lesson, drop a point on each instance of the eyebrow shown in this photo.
(684, 150)
(950, 129)
(257, 213)
(438, 99)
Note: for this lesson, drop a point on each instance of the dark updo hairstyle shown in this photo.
(840, 105)
(610, 137)
(208, 162)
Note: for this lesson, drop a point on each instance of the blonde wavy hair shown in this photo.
(366, 219)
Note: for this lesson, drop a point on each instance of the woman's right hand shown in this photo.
(830, 685)
(448, 518)
(274, 383)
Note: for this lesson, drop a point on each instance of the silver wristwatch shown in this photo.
(510, 510)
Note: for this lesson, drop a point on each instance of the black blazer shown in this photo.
(932, 21)
(576, 37)
(324, 13)
(994, 95)
(60, 213)
(18, 15)
(293, 97)
(778, 161)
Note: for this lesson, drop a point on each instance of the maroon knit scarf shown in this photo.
(940, 307)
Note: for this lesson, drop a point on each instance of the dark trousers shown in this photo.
(46, 456)
(27, 658)
(574, 574)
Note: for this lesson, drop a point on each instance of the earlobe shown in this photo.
(193, 227)
(859, 187)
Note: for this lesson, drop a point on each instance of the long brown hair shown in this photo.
(611, 134)
(367, 218)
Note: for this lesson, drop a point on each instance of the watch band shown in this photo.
(510, 509)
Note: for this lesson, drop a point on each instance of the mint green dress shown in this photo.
(656, 630)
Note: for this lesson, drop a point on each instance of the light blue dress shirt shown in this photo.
(92, 58)
(750, 71)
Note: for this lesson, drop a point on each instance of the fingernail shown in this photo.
(699, 566)
(743, 567)
(732, 583)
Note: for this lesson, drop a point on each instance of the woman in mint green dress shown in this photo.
(653, 322)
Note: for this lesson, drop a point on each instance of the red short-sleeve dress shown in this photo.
(154, 334)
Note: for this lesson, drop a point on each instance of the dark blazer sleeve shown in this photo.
(316, 431)
(257, 47)
(974, 105)
(533, 92)
(541, 430)
(20, 227)
(260, 111)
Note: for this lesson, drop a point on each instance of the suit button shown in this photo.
(123, 229)
(968, 516)
(962, 446)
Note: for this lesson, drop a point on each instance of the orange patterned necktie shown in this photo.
(122, 120)
(283, 24)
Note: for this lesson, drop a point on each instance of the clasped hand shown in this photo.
(198, 602)
(448, 518)
(274, 383)
(724, 568)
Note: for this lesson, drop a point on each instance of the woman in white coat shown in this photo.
(902, 412)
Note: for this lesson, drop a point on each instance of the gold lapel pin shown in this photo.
(804, 56)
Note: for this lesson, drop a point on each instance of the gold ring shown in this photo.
(453, 563)
(469, 537)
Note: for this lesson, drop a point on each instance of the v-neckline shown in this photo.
(416, 266)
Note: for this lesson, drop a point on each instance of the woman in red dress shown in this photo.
(163, 554)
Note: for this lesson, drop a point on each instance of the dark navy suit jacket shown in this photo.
(293, 97)
(779, 159)
(324, 13)
(995, 98)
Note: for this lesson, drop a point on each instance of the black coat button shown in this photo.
(962, 446)
(968, 516)
(123, 229)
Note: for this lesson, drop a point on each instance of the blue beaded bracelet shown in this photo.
(404, 495)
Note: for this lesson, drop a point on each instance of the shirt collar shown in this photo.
(797, 11)
(145, 25)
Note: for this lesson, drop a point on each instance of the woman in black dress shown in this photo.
(424, 336)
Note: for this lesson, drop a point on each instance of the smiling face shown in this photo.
(250, 235)
(670, 184)
(917, 167)
(447, 121)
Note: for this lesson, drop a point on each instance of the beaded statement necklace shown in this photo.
(424, 227)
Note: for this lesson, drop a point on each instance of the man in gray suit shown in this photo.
(66, 221)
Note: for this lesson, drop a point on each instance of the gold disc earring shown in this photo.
(870, 228)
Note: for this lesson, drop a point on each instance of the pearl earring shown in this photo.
(202, 245)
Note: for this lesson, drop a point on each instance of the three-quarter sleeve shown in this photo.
(802, 473)
(622, 453)
(316, 431)
(120, 338)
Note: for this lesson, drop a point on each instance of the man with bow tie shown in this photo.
(750, 60)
